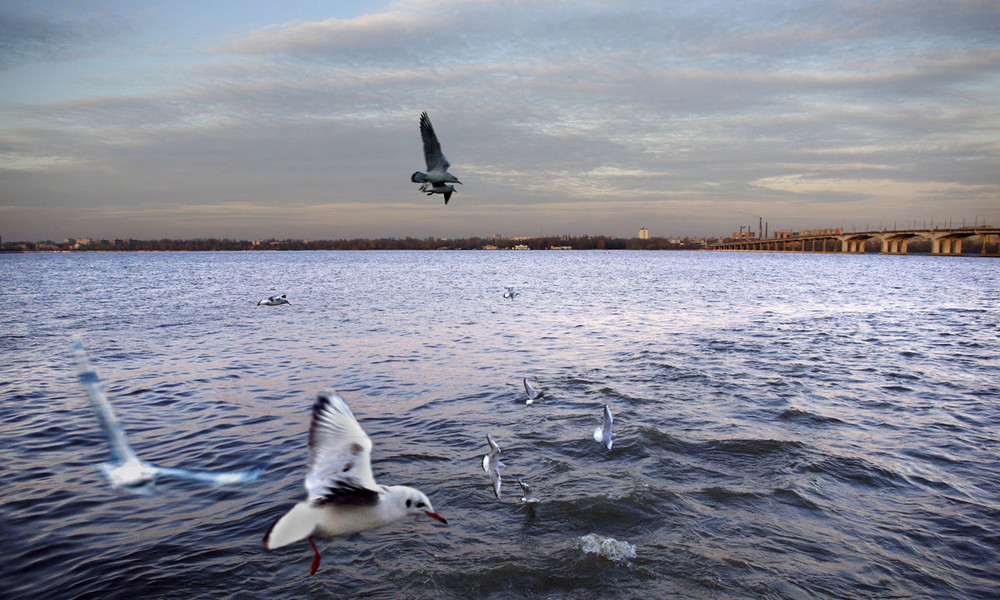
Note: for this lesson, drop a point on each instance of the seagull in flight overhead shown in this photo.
(274, 301)
(343, 496)
(492, 464)
(437, 177)
(603, 433)
(126, 470)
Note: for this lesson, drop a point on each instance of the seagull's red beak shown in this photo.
(436, 516)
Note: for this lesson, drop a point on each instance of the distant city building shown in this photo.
(643, 234)
(744, 235)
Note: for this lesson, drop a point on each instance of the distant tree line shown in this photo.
(586, 242)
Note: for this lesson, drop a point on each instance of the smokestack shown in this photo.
(760, 227)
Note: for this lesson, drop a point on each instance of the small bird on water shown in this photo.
(492, 464)
(603, 433)
(529, 389)
(527, 498)
(343, 498)
(437, 177)
(274, 300)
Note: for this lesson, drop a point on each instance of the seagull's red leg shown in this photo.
(315, 563)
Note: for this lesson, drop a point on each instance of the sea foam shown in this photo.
(609, 548)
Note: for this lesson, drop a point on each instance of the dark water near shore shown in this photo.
(787, 425)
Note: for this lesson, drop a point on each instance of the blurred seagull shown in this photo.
(492, 464)
(343, 496)
(603, 433)
(511, 292)
(527, 498)
(126, 470)
(274, 301)
(533, 394)
(437, 174)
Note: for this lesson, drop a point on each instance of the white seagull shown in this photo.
(126, 470)
(274, 301)
(511, 292)
(603, 433)
(533, 394)
(527, 498)
(437, 177)
(343, 496)
(492, 464)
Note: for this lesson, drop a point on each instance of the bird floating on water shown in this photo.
(492, 464)
(603, 433)
(343, 498)
(274, 300)
(125, 470)
(529, 389)
(437, 177)
(527, 498)
(511, 292)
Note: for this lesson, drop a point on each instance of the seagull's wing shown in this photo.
(432, 148)
(530, 390)
(121, 450)
(495, 478)
(606, 427)
(494, 449)
(340, 470)
(213, 477)
(525, 488)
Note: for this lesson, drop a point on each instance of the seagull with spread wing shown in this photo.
(125, 470)
(343, 496)
(437, 177)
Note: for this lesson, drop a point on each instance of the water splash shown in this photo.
(609, 548)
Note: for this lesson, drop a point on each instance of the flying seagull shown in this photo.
(527, 498)
(343, 498)
(274, 301)
(126, 470)
(437, 177)
(492, 464)
(529, 389)
(511, 292)
(603, 433)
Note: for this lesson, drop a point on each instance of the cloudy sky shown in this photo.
(299, 119)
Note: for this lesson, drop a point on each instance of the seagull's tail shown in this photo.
(296, 524)
(418, 177)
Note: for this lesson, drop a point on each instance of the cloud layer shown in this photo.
(559, 117)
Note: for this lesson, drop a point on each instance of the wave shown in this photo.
(606, 547)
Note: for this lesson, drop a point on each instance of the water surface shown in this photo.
(787, 425)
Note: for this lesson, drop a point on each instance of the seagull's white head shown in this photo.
(412, 502)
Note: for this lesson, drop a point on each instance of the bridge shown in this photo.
(944, 241)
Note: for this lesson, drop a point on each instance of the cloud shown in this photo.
(593, 114)
(54, 35)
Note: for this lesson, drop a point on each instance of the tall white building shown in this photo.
(643, 234)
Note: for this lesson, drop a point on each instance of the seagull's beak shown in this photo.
(458, 182)
(436, 516)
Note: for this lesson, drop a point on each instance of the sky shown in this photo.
(300, 119)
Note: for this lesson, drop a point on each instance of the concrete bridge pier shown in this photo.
(991, 245)
(948, 244)
(895, 244)
(853, 246)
